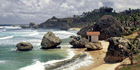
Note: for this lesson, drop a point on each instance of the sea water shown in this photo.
(36, 59)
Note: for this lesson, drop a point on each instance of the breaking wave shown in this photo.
(2, 61)
(32, 34)
(71, 62)
(7, 37)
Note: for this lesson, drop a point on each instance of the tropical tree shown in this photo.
(134, 47)
(134, 19)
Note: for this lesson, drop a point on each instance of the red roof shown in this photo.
(93, 33)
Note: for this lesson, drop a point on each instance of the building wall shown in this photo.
(94, 38)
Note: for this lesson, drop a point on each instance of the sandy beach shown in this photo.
(98, 58)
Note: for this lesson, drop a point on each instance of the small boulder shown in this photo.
(78, 42)
(118, 49)
(50, 41)
(73, 36)
(126, 61)
(14, 25)
(35, 26)
(24, 46)
(23, 26)
(31, 24)
(94, 46)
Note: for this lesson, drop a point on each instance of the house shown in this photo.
(93, 36)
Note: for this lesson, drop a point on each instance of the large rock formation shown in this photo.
(62, 24)
(94, 46)
(108, 27)
(24, 46)
(118, 49)
(50, 41)
(84, 30)
(78, 42)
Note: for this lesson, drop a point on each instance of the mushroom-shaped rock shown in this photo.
(108, 27)
(50, 41)
(118, 49)
(94, 46)
(24, 46)
(78, 42)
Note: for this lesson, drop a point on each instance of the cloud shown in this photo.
(38, 11)
(100, 4)
(65, 5)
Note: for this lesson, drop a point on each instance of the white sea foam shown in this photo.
(2, 61)
(65, 46)
(1, 27)
(62, 32)
(78, 63)
(41, 66)
(36, 66)
(11, 27)
(31, 34)
(7, 37)
(12, 49)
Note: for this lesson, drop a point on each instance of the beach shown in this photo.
(98, 58)
(65, 58)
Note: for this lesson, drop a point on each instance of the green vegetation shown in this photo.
(135, 66)
(136, 58)
(130, 19)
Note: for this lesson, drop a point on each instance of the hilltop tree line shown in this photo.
(130, 19)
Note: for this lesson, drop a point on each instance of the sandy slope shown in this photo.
(98, 56)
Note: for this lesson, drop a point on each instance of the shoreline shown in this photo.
(98, 58)
(75, 29)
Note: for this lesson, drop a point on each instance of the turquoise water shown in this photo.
(10, 36)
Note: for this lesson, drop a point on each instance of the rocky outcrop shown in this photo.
(73, 36)
(31, 24)
(84, 30)
(23, 26)
(61, 23)
(78, 42)
(50, 41)
(118, 49)
(64, 26)
(14, 25)
(108, 27)
(24, 46)
(94, 46)
(35, 26)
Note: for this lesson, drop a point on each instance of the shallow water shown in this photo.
(10, 36)
(38, 59)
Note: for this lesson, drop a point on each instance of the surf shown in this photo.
(7, 37)
(71, 62)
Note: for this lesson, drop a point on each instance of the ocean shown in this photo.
(38, 59)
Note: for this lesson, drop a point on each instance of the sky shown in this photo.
(38, 11)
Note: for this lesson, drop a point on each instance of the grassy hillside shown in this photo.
(130, 19)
